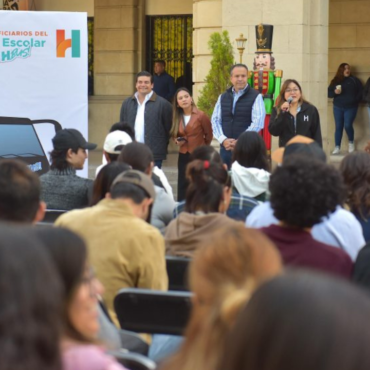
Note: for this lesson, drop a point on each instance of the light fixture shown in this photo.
(240, 45)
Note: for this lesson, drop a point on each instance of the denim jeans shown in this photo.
(158, 163)
(226, 156)
(344, 118)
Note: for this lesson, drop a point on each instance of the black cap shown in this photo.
(264, 33)
(69, 138)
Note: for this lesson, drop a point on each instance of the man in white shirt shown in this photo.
(150, 115)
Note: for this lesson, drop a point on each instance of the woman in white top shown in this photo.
(250, 169)
(190, 128)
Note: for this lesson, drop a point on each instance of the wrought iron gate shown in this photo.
(170, 38)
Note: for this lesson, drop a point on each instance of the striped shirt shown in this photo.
(258, 115)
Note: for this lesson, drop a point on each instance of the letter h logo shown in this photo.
(63, 44)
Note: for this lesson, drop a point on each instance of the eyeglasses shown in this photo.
(291, 90)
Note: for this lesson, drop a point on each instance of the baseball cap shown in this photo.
(115, 139)
(299, 145)
(137, 178)
(69, 138)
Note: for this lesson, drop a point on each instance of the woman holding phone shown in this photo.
(190, 128)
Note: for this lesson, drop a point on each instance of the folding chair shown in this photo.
(152, 311)
(51, 215)
(177, 270)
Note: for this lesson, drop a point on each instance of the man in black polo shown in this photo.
(164, 84)
(240, 108)
(150, 116)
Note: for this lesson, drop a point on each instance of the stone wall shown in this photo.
(65, 6)
(118, 45)
(207, 18)
(165, 7)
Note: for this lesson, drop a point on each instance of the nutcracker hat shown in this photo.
(264, 33)
(299, 145)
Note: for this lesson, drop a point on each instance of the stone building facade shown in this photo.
(311, 38)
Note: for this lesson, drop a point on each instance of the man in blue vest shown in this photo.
(240, 108)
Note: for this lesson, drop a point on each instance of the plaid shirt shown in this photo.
(239, 208)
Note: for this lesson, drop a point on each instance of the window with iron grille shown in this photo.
(170, 38)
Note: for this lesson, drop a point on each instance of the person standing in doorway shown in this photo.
(347, 93)
(164, 84)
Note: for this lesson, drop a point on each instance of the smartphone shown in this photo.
(181, 139)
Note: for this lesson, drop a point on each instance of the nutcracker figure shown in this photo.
(264, 78)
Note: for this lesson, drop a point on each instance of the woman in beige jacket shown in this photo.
(207, 199)
(190, 128)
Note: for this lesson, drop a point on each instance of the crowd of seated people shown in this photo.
(262, 244)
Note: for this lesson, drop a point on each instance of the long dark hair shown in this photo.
(310, 321)
(355, 169)
(58, 159)
(69, 254)
(206, 184)
(280, 100)
(104, 180)
(339, 76)
(30, 304)
(250, 151)
(178, 113)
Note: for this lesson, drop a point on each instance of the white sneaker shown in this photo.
(336, 150)
(351, 147)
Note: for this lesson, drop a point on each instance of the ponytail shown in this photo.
(206, 184)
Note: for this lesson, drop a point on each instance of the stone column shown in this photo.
(117, 58)
(207, 18)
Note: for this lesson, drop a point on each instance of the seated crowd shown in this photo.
(287, 245)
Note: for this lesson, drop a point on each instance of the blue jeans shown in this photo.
(344, 117)
(226, 156)
(158, 163)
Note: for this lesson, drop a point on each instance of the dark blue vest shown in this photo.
(235, 124)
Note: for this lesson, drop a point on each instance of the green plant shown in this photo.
(218, 77)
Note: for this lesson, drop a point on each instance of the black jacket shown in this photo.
(158, 122)
(351, 94)
(308, 124)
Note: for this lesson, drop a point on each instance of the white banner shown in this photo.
(43, 70)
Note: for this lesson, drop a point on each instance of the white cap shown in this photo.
(115, 139)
